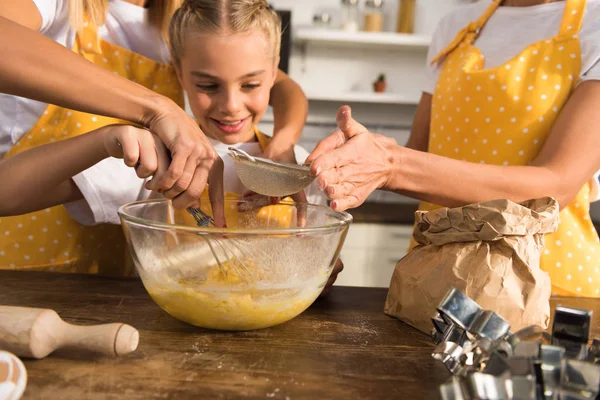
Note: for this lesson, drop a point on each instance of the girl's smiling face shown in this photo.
(228, 78)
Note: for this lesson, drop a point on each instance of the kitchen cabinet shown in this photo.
(371, 252)
(320, 36)
(362, 97)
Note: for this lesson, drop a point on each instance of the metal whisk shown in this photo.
(233, 253)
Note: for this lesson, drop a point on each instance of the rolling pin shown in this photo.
(37, 332)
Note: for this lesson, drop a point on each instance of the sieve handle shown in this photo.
(237, 154)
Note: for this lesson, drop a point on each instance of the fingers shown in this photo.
(216, 193)
(331, 142)
(301, 201)
(329, 166)
(345, 203)
(181, 192)
(163, 158)
(336, 175)
(337, 268)
(339, 150)
(180, 164)
(136, 146)
(148, 157)
(347, 194)
(129, 144)
(337, 191)
(348, 128)
(112, 141)
(347, 124)
(325, 168)
(192, 155)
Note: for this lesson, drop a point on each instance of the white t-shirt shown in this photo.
(509, 30)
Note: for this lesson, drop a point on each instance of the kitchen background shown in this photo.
(337, 67)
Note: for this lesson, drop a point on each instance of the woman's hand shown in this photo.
(194, 161)
(352, 162)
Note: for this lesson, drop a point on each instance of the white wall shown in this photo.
(427, 13)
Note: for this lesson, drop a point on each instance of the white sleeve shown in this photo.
(105, 187)
(51, 11)
(440, 40)
(590, 71)
(590, 52)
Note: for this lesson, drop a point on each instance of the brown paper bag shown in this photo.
(490, 251)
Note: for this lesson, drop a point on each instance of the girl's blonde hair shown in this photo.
(94, 11)
(223, 16)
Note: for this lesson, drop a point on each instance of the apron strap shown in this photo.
(263, 140)
(469, 33)
(572, 17)
(88, 39)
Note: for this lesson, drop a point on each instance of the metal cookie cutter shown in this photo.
(550, 368)
(488, 362)
(523, 382)
(466, 335)
(594, 354)
(581, 379)
(571, 330)
(464, 312)
(475, 386)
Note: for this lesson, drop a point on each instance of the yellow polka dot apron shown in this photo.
(50, 240)
(502, 116)
(275, 216)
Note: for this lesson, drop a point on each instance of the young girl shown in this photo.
(226, 54)
(125, 38)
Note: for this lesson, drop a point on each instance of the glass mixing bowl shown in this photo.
(267, 267)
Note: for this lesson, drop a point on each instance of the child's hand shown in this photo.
(139, 148)
(337, 268)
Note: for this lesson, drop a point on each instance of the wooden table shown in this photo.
(342, 347)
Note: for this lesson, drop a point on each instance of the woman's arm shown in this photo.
(359, 162)
(36, 67)
(290, 108)
(419, 132)
(41, 177)
(566, 161)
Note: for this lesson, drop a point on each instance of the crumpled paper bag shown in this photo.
(490, 251)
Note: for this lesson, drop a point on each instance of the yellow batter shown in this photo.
(224, 302)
